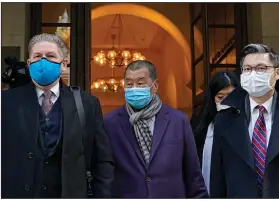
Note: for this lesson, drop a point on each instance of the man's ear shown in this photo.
(64, 64)
(28, 62)
(155, 86)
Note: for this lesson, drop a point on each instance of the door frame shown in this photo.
(80, 39)
(240, 38)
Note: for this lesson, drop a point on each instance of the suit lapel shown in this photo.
(238, 137)
(240, 142)
(31, 112)
(273, 147)
(130, 133)
(161, 123)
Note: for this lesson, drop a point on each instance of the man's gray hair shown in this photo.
(52, 38)
(259, 48)
(139, 64)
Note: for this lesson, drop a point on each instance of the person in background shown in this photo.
(42, 149)
(219, 87)
(153, 144)
(15, 75)
(245, 153)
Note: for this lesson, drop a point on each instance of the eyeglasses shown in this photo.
(260, 69)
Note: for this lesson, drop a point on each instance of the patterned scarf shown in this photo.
(139, 121)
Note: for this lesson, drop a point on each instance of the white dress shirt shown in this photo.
(53, 98)
(267, 117)
(206, 156)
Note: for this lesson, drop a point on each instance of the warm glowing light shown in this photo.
(126, 54)
(142, 57)
(102, 82)
(111, 54)
(126, 62)
(96, 59)
(136, 56)
(112, 81)
(102, 61)
(150, 14)
(112, 63)
(109, 84)
(116, 58)
(101, 55)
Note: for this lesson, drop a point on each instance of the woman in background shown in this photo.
(222, 84)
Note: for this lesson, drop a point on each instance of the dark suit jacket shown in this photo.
(232, 165)
(174, 170)
(19, 145)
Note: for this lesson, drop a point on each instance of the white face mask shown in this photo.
(256, 85)
(220, 107)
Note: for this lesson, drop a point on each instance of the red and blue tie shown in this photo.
(259, 148)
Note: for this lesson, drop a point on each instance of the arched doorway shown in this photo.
(213, 27)
(146, 13)
(174, 72)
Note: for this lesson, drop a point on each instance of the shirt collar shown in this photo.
(54, 89)
(267, 105)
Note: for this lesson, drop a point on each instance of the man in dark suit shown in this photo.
(153, 145)
(245, 155)
(42, 146)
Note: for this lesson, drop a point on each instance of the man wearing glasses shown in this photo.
(245, 156)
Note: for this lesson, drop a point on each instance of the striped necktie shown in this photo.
(259, 148)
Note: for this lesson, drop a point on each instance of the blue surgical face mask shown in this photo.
(138, 98)
(44, 72)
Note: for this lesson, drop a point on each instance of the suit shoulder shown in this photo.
(12, 93)
(176, 114)
(88, 97)
(113, 115)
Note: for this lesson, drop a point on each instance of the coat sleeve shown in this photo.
(217, 176)
(194, 182)
(102, 159)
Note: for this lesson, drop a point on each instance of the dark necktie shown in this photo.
(259, 144)
(47, 103)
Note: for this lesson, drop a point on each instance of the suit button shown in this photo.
(27, 187)
(148, 179)
(47, 119)
(30, 155)
(44, 187)
(46, 162)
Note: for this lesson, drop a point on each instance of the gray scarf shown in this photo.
(139, 121)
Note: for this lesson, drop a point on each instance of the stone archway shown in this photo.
(149, 14)
(175, 88)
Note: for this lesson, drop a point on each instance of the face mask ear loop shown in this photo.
(152, 84)
(275, 71)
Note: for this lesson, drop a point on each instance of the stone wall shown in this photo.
(262, 21)
(15, 26)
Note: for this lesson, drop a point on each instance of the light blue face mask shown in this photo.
(44, 72)
(138, 98)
